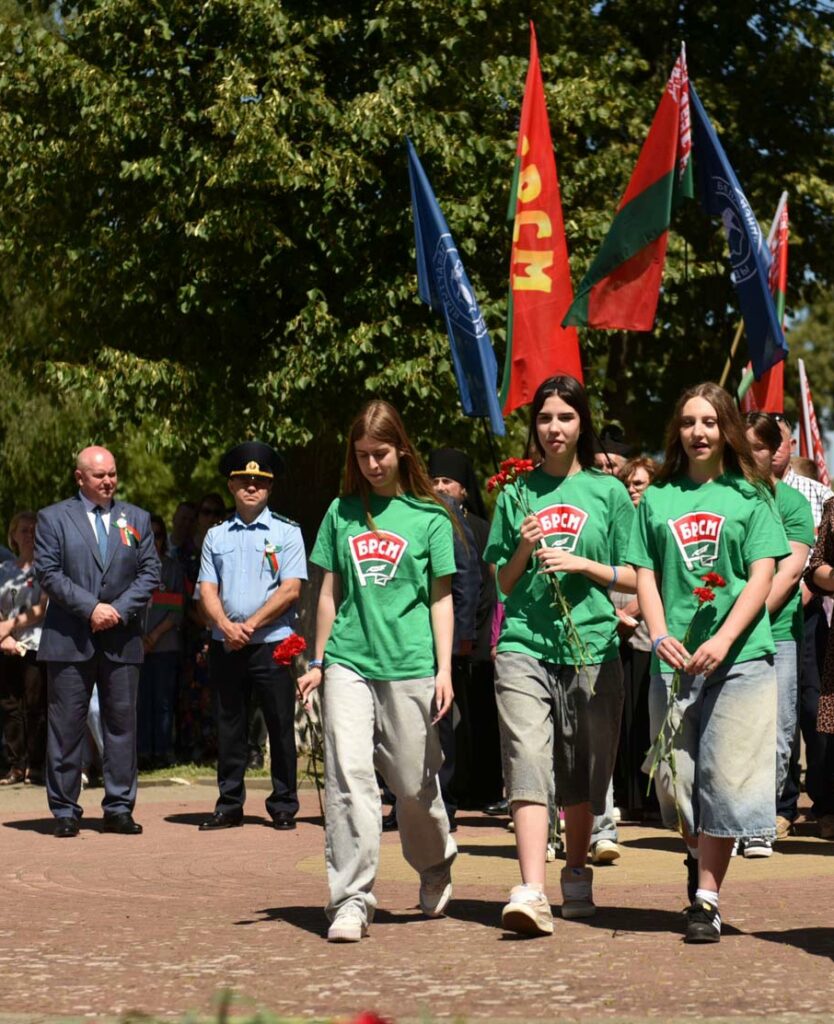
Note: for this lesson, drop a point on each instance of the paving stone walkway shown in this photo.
(104, 926)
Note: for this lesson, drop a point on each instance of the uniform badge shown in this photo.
(698, 536)
(376, 556)
(562, 525)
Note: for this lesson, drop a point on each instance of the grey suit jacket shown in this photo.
(69, 567)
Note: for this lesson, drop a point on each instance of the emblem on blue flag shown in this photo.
(721, 194)
(443, 284)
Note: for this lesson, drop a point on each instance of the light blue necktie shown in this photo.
(101, 533)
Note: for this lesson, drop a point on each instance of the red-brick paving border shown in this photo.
(102, 926)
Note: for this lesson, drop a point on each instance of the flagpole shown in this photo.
(740, 329)
(490, 442)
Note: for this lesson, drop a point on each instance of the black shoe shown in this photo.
(284, 821)
(221, 819)
(121, 824)
(497, 810)
(65, 828)
(703, 923)
(691, 877)
(389, 822)
(453, 825)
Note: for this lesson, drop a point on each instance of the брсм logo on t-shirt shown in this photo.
(562, 525)
(377, 556)
(698, 536)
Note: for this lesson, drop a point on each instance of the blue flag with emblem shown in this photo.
(443, 284)
(721, 194)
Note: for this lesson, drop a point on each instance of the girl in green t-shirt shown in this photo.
(384, 628)
(558, 702)
(710, 519)
(784, 605)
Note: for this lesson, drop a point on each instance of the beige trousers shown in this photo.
(384, 726)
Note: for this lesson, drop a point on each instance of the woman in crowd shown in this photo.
(557, 702)
(784, 603)
(384, 630)
(22, 680)
(819, 577)
(711, 511)
(162, 637)
(635, 653)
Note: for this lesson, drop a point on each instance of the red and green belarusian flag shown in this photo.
(768, 394)
(622, 285)
(538, 346)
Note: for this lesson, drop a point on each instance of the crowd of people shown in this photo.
(523, 666)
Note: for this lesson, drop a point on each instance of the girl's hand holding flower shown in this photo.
(673, 652)
(559, 560)
(531, 530)
(708, 657)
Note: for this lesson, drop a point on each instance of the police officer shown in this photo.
(250, 578)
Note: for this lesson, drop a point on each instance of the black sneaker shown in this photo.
(691, 877)
(703, 922)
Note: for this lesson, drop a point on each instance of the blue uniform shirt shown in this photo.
(248, 563)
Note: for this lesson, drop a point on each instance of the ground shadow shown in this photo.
(488, 850)
(643, 919)
(482, 821)
(667, 843)
(46, 826)
(197, 818)
(312, 919)
(816, 941)
(805, 846)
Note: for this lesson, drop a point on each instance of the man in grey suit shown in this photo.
(95, 558)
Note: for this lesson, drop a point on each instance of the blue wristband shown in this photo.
(315, 663)
(613, 582)
(658, 642)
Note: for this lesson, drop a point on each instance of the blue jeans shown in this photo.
(786, 663)
(157, 701)
(724, 750)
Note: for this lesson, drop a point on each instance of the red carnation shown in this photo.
(712, 579)
(368, 1017)
(704, 594)
(284, 652)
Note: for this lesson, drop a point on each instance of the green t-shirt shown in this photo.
(683, 531)
(798, 520)
(588, 514)
(383, 624)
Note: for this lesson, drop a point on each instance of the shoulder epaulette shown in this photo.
(284, 519)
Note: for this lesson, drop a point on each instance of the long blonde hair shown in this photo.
(738, 456)
(381, 421)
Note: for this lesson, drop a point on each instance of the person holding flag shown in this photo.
(559, 534)
(709, 518)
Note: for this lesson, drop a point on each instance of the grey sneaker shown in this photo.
(528, 912)
(348, 925)
(435, 893)
(577, 893)
(756, 846)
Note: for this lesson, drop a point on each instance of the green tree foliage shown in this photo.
(206, 231)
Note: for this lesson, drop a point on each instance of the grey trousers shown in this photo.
(382, 725)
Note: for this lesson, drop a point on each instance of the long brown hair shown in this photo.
(381, 421)
(738, 458)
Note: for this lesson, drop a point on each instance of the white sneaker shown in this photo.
(435, 895)
(550, 853)
(756, 846)
(528, 912)
(604, 851)
(737, 845)
(348, 925)
(577, 893)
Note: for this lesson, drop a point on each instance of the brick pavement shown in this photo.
(103, 926)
